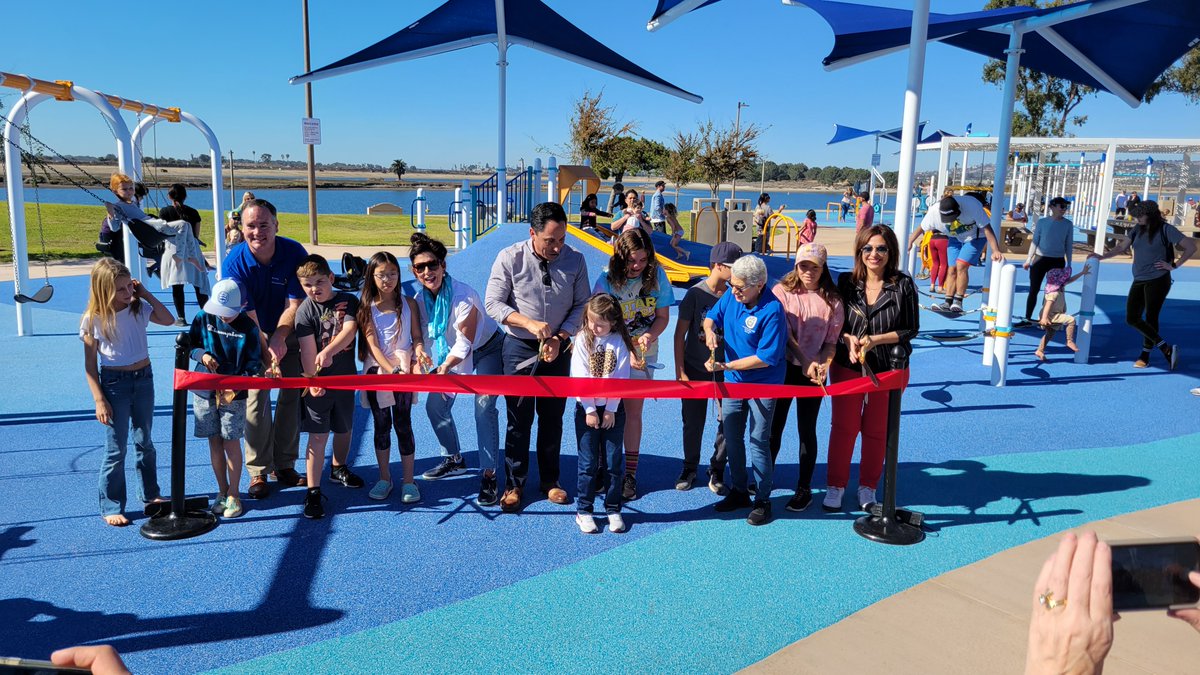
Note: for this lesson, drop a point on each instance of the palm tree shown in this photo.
(398, 167)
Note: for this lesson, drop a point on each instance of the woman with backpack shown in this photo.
(1153, 243)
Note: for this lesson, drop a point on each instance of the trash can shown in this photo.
(739, 223)
(707, 222)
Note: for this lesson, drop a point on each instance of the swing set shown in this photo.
(19, 142)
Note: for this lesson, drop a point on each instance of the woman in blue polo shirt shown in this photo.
(755, 343)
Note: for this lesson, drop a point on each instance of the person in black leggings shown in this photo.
(1053, 237)
(813, 311)
(1153, 243)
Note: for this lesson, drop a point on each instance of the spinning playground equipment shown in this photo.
(128, 162)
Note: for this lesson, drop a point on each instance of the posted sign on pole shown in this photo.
(312, 130)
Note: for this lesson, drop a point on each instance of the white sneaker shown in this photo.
(218, 505)
(833, 498)
(1196, 391)
(616, 523)
(866, 497)
(586, 523)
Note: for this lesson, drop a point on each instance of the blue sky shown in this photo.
(228, 62)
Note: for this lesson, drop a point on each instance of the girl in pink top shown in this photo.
(808, 229)
(866, 213)
(813, 310)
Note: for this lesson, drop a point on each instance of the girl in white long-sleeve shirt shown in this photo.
(601, 349)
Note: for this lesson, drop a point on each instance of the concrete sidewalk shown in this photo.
(976, 618)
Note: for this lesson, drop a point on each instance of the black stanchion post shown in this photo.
(883, 524)
(179, 522)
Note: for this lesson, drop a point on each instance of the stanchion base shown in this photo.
(179, 525)
(888, 531)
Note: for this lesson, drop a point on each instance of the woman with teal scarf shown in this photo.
(460, 338)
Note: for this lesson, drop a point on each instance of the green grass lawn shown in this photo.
(71, 230)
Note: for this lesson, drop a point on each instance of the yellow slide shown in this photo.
(677, 272)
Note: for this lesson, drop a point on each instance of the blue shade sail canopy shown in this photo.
(1070, 41)
(459, 24)
(842, 133)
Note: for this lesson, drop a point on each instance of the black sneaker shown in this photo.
(342, 474)
(686, 479)
(733, 501)
(760, 514)
(801, 500)
(716, 483)
(488, 493)
(312, 504)
(629, 488)
(449, 467)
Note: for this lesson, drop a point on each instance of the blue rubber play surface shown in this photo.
(447, 586)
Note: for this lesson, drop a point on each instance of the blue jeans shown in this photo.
(592, 442)
(488, 360)
(130, 394)
(757, 414)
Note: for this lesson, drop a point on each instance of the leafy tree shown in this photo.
(265, 158)
(398, 167)
(616, 156)
(725, 152)
(651, 155)
(1182, 78)
(679, 168)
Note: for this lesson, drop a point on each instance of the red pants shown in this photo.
(939, 266)
(852, 415)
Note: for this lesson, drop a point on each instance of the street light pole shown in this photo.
(308, 112)
(737, 135)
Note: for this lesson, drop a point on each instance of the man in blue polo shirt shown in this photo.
(755, 342)
(265, 265)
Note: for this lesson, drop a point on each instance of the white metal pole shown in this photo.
(1008, 282)
(989, 314)
(910, 129)
(1110, 162)
(16, 202)
(1146, 187)
(943, 170)
(419, 212)
(552, 180)
(962, 174)
(1087, 310)
(467, 207)
(133, 258)
(737, 135)
(502, 64)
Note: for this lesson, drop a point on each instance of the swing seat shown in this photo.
(42, 296)
(146, 234)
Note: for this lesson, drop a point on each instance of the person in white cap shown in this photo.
(225, 341)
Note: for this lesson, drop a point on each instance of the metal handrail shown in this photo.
(452, 215)
(412, 211)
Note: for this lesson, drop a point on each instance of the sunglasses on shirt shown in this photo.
(545, 267)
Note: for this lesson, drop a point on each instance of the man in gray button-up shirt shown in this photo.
(537, 291)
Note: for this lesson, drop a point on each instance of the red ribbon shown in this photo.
(538, 385)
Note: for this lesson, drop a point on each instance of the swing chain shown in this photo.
(37, 200)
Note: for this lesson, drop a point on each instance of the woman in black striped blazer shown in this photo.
(881, 309)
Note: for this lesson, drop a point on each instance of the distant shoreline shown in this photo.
(258, 178)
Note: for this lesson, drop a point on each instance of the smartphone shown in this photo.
(11, 665)
(1153, 574)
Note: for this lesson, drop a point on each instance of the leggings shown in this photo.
(397, 417)
(1147, 297)
(939, 265)
(1037, 273)
(177, 295)
(807, 409)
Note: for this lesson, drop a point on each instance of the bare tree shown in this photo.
(593, 126)
(725, 152)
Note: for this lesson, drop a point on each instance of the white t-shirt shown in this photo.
(129, 337)
(969, 224)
